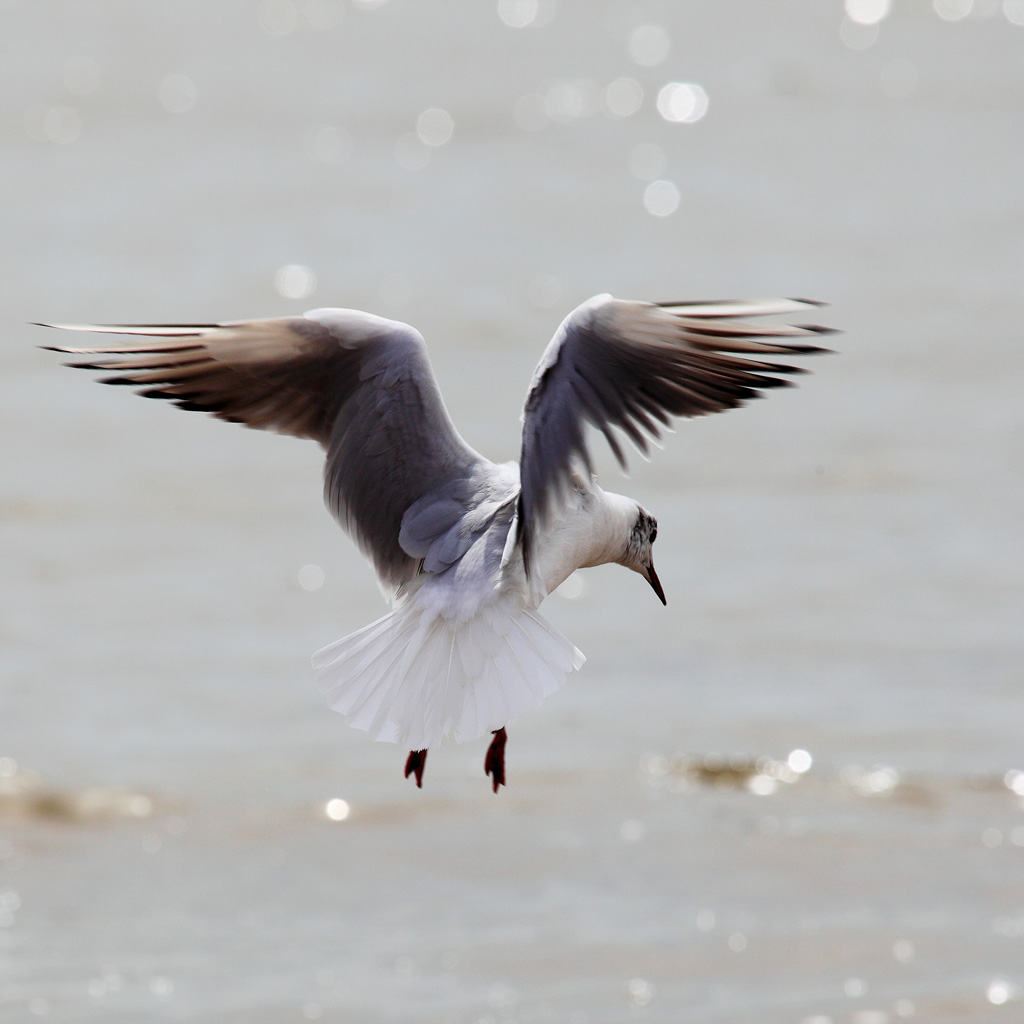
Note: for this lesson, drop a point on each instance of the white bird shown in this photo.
(465, 548)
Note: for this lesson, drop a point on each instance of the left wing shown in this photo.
(633, 365)
(358, 384)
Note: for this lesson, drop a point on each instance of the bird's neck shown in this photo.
(591, 530)
(609, 523)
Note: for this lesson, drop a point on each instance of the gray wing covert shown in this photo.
(634, 365)
(358, 384)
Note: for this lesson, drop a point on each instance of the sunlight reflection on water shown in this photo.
(849, 580)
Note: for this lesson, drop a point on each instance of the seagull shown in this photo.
(465, 549)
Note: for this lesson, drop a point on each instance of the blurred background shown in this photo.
(793, 796)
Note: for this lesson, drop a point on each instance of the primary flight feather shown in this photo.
(467, 549)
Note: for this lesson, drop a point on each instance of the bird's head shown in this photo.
(637, 555)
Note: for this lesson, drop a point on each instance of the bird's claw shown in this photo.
(415, 764)
(494, 761)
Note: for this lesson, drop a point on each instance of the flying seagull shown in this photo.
(466, 549)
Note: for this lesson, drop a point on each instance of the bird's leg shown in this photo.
(494, 762)
(415, 764)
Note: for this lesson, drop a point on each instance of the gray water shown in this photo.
(844, 562)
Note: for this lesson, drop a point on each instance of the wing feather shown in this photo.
(632, 366)
(358, 384)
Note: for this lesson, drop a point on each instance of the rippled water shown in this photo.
(790, 796)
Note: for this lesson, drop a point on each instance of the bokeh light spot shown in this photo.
(953, 10)
(761, 785)
(867, 12)
(337, 809)
(682, 102)
(294, 281)
(138, 805)
(435, 127)
(878, 781)
(649, 45)
(641, 992)
(310, 577)
(518, 13)
(799, 760)
(661, 198)
(857, 36)
(1014, 11)
(992, 838)
(62, 125)
(623, 97)
(569, 99)
(162, 987)
(999, 992)
(329, 144)
(903, 950)
(59, 124)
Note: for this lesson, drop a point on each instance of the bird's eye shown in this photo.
(654, 534)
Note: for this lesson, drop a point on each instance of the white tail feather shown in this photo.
(413, 676)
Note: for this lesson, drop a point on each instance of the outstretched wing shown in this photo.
(359, 384)
(633, 365)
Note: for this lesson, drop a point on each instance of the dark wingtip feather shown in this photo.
(809, 350)
(818, 328)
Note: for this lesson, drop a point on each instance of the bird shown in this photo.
(465, 549)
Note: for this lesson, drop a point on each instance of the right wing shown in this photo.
(632, 366)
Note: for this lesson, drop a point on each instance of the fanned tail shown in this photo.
(414, 677)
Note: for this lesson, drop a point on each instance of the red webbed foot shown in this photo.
(494, 762)
(415, 764)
